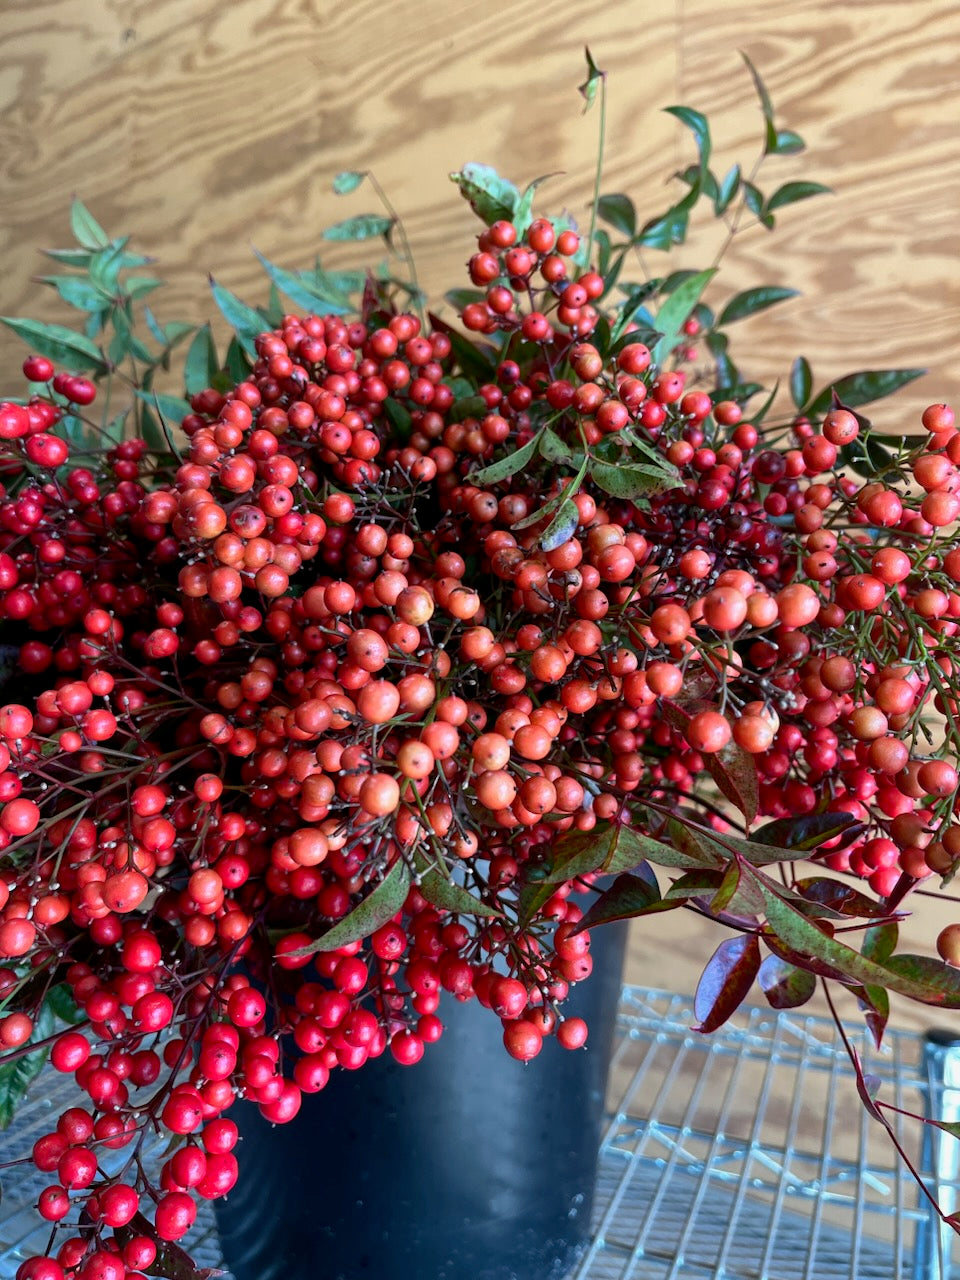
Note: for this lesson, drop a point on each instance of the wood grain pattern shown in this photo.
(205, 127)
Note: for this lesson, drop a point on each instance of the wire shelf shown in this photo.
(745, 1155)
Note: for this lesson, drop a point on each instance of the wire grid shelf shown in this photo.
(745, 1155)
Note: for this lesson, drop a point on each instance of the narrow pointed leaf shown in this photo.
(435, 885)
(728, 188)
(628, 897)
(201, 366)
(675, 311)
(379, 906)
(801, 382)
(298, 290)
(86, 228)
(588, 90)
(751, 301)
(699, 126)
(246, 322)
(919, 977)
(792, 192)
(766, 106)
(364, 226)
(562, 527)
(632, 480)
(507, 466)
(855, 389)
(65, 347)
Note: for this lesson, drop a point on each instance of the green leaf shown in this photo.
(76, 292)
(633, 309)
(379, 906)
(63, 1006)
(523, 214)
(348, 180)
(562, 527)
(399, 418)
(507, 466)
(801, 381)
(460, 298)
(766, 106)
(105, 269)
(632, 480)
(753, 198)
(17, 1076)
(736, 894)
(618, 210)
(62, 345)
(807, 831)
(588, 90)
(474, 359)
(140, 286)
(364, 226)
(784, 985)
(699, 126)
(880, 941)
(491, 197)
(441, 892)
(732, 769)
(855, 389)
(299, 290)
(675, 310)
(725, 981)
(467, 407)
(670, 228)
(79, 258)
(152, 432)
(274, 309)
(86, 228)
(235, 362)
(791, 192)
(627, 898)
(153, 324)
(787, 143)
(918, 977)
(727, 190)
(246, 322)
(176, 331)
(751, 301)
(201, 365)
(172, 409)
(554, 449)
(611, 848)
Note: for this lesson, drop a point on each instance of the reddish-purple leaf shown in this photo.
(838, 896)
(628, 897)
(868, 1086)
(784, 985)
(808, 831)
(726, 980)
(171, 1262)
(732, 769)
(919, 977)
(875, 1004)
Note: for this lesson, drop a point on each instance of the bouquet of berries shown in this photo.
(400, 651)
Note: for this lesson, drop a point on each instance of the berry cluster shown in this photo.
(343, 707)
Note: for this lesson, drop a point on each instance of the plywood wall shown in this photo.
(204, 128)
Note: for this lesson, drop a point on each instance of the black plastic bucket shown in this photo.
(467, 1166)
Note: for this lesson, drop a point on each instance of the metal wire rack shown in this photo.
(745, 1155)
